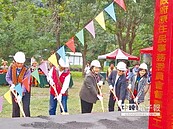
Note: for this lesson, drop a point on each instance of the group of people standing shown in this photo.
(59, 79)
(120, 87)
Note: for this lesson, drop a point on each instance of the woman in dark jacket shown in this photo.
(89, 92)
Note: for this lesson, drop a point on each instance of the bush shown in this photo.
(76, 68)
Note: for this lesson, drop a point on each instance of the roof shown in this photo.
(118, 54)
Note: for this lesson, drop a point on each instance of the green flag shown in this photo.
(35, 74)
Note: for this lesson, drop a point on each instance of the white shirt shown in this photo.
(65, 85)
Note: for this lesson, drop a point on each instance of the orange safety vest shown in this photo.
(18, 79)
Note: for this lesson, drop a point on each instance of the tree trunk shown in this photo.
(84, 58)
(57, 32)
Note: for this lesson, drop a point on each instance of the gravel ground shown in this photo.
(112, 120)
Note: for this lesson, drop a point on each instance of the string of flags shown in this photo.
(90, 28)
(61, 51)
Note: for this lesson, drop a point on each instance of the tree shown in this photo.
(129, 23)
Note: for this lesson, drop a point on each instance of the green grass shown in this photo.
(40, 99)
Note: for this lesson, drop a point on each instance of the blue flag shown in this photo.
(18, 88)
(61, 52)
(110, 10)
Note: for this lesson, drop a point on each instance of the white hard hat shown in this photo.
(95, 63)
(63, 63)
(121, 66)
(19, 57)
(143, 66)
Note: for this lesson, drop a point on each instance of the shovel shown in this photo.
(63, 112)
(19, 103)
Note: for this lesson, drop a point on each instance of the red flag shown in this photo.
(70, 44)
(121, 3)
(25, 82)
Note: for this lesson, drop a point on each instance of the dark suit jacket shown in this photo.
(120, 86)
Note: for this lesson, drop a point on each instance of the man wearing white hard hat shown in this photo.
(136, 87)
(15, 75)
(59, 78)
(89, 92)
(117, 85)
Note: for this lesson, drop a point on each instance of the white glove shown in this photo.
(59, 97)
(119, 103)
(100, 97)
(100, 83)
(19, 98)
(110, 87)
(129, 86)
(136, 99)
(12, 87)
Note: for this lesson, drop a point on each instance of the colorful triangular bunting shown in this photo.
(43, 66)
(7, 96)
(70, 44)
(121, 3)
(100, 19)
(1, 103)
(35, 74)
(110, 10)
(25, 82)
(61, 52)
(18, 88)
(90, 28)
(80, 36)
(52, 59)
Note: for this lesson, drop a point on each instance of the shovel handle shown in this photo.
(20, 106)
(60, 104)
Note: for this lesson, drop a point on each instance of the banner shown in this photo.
(162, 72)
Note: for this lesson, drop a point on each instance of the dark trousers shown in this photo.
(26, 105)
(86, 107)
(111, 103)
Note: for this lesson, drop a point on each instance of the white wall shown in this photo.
(75, 58)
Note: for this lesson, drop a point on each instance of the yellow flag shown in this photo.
(53, 60)
(7, 96)
(100, 19)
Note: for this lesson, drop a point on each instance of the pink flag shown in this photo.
(121, 3)
(44, 68)
(90, 28)
(1, 103)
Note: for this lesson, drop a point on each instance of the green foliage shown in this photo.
(26, 26)
(76, 74)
